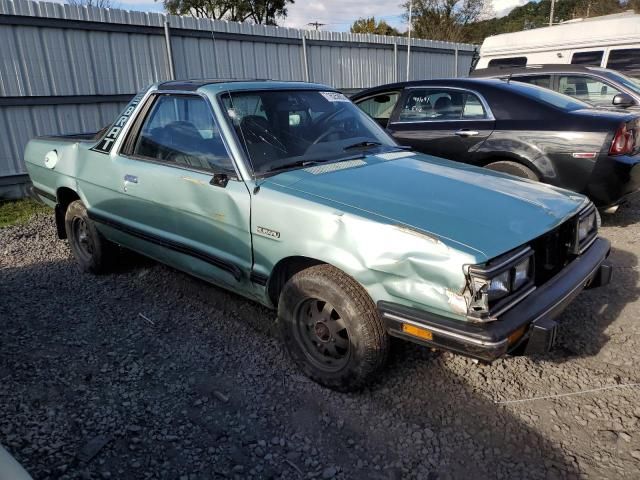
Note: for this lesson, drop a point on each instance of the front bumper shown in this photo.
(530, 325)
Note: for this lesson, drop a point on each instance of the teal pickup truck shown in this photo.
(289, 195)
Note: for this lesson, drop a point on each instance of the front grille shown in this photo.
(553, 251)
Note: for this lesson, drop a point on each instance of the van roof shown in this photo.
(602, 31)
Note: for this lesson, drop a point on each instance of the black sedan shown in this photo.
(514, 128)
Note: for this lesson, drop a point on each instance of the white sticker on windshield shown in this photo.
(334, 96)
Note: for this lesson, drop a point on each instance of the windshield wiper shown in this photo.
(310, 163)
(365, 144)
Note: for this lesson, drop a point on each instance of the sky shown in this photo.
(338, 15)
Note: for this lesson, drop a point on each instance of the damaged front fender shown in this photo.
(395, 263)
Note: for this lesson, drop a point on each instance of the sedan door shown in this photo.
(446, 122)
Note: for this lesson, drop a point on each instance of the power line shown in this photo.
(316, 24)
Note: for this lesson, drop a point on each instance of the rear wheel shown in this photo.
(331, 328)
(513, 168)
(92, 251)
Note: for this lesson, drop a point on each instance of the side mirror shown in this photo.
(623, 100)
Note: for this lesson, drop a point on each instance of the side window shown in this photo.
(625, 60)
(587, 89)
(379, 107)
(593, 58)
(508, 62)
(180, 129)
(437, 105)
(539, 80)
(473, 108)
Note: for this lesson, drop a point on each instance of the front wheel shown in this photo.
(92, 251)
(513, 168)
(331, 328)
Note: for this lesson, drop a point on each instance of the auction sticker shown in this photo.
(334, 96)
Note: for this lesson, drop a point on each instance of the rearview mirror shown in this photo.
(382, 99)
(623, 100)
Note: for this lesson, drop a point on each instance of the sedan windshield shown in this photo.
(295, 128)
(632, 84)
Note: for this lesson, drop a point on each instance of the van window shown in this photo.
(625, 60)
(593, 58)
(508, 62)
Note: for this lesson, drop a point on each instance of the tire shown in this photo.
(331, 328)
(92, 251)
(513, 168)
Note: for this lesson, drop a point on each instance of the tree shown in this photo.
(369, 25)
(444, 19)
(92, 3)
(256, 11)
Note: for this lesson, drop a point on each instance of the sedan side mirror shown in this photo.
(623, 100)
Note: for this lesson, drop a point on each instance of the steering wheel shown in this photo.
(323, 135)
(322, 121)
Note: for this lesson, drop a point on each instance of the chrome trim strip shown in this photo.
(589, 243)
(493, 315)
(446, 333)
(513, 258)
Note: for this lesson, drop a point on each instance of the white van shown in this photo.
(611, 41)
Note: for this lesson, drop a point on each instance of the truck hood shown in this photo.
(489, 213)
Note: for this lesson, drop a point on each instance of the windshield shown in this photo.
(555, 99)
(285, 129)
(631, 83)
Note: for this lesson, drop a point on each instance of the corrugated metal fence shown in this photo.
(69, 69)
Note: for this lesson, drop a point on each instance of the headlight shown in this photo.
(587, 228)
(499, 283)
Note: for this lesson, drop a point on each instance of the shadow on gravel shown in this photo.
(584, 322)
(84, 367)
(627, 214)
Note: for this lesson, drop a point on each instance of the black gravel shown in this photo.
(149, 373)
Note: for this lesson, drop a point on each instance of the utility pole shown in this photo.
(316, 24)
(409, 38)
(553, 6)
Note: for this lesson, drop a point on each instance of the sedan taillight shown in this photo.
(623, 141)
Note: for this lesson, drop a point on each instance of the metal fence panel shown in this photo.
(60, 53)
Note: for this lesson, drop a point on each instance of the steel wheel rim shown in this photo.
(322, 334)
(82, 238)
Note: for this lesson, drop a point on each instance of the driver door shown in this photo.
(179, 198)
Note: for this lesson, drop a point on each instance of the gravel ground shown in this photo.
(149, 373)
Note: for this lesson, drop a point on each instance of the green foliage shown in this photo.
(19, 211)
(444, 19)
(369, 25)
(264, 12)
(472, 20)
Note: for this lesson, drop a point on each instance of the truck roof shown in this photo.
(217, 84)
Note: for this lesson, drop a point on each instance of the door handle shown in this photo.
(466, 133)
(128, 179)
